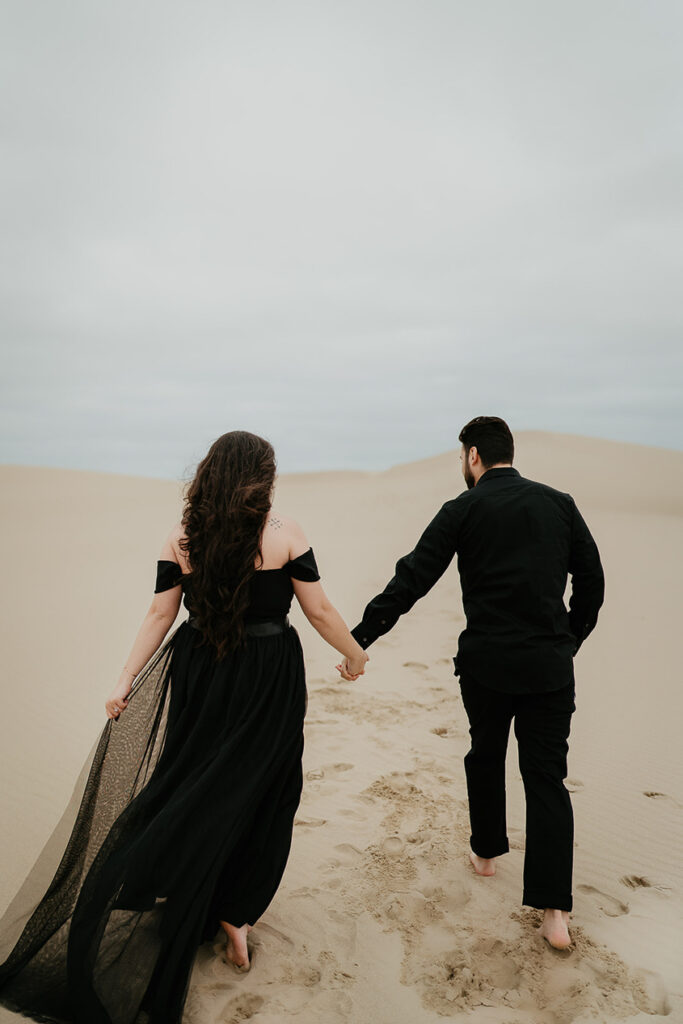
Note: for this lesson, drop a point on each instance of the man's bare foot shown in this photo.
(483, 866)
(555, 928)
(236, 952)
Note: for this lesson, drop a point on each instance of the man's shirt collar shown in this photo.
(497, 471)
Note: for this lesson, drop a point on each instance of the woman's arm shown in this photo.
(318, 609)
(155, 625)
(325, 618)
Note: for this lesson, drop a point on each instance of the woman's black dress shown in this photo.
(182, 817)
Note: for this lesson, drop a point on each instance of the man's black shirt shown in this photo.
(516, 541)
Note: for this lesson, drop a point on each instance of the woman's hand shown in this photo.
(118, 701)
(351, 668)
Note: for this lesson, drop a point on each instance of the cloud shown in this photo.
(348, 227)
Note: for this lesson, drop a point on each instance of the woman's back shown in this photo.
(285, 555)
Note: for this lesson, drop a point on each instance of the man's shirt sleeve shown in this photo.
(588, 579)
(414, 575)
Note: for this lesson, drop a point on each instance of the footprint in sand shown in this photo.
(310, 822)
(573, 785)
(306, 975)
(348, 850)
(463, 979)
(347, 856)
(423, 836)
(414, 664)
(242, 1008)
(609, 905)
(636, 882)
(328, 771)
(394, 786)
(393, 846)
(440, 730)
(640, 882)
(451, 899)
(493, 959)
(649, 993)
(654, 795)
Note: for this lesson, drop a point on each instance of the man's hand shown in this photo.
(351, 668)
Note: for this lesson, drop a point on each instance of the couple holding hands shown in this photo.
(182, 820)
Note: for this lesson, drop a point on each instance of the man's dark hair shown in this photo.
(491, 437)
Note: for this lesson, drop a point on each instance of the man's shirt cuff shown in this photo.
(362, 635)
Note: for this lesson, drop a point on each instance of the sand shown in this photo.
(379, 918)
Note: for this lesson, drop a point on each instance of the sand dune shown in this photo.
(380, 919)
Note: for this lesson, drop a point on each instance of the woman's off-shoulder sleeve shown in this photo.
(304, 567)
(169, 574)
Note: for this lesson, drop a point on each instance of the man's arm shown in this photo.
(415, 574)
(588, 579)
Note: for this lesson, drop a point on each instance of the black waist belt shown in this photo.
(270, 627)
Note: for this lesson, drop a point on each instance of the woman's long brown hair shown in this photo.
(226, 505)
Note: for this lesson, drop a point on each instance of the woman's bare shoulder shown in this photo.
(289, 532)
(172, 550)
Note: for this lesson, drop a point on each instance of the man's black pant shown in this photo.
(542, 722)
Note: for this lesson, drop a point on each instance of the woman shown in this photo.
(184, 821)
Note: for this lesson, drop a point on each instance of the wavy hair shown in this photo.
(226, 505)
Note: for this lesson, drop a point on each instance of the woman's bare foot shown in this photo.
(555, 928)
(236, 952)
(483, 866)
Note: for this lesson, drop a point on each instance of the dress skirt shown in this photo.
(182, 817)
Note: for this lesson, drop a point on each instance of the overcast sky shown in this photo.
(349, 226)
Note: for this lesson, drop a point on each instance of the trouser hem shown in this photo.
(488, 853)
(547, 901)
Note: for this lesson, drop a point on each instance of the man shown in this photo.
(517, 541)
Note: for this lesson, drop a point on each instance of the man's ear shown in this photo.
(474, 454)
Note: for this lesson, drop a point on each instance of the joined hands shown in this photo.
(351, 668)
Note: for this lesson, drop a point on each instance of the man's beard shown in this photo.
(469, 478)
